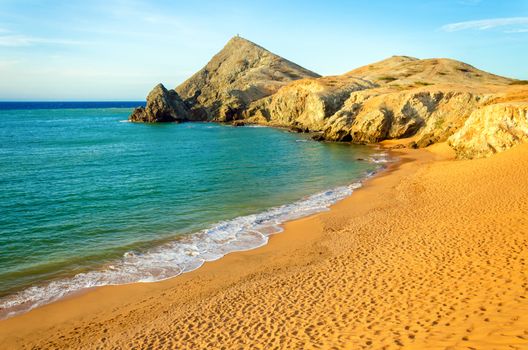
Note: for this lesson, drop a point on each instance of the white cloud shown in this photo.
(485, 24)
(23, 40)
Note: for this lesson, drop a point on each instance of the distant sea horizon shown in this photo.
(14, 105)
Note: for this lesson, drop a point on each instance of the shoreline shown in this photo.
(389, 167)
(281, 283)
(387, 159)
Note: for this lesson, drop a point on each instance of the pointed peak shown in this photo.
(158, 90)
(238, 38)
(160, 86)
(238, 41)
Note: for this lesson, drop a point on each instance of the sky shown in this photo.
(103, 50)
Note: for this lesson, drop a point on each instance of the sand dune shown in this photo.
(431, 255)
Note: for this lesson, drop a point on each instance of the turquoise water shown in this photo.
(87, 199)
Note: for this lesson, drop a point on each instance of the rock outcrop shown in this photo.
(305, 104)
(162, 106)
(429, 115)
(422, 101)
(490, 129)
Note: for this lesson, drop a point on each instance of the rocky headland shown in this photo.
(420, 101)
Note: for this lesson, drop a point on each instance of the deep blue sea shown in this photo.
(88, 199)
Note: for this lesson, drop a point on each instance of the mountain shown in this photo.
(242, 72)
(419, 101)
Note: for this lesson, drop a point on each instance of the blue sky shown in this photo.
(118, 50)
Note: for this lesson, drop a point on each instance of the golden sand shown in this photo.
(430, 255)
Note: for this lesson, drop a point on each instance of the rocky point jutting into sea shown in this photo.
(420, 101)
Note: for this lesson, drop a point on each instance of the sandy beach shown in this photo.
(431, 254)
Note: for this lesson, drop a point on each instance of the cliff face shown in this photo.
(492, 129)
(162, 106)
(306, 104)
(420, 101)
(428, 114)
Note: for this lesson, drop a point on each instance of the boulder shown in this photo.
(162, 106)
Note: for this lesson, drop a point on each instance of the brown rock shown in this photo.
(238, 123)
(430, 100)
(162, 106)
(429, 113)
(492, 129)
(318, 137)
(242, 72)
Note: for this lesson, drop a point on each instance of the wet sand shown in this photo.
(430, 254)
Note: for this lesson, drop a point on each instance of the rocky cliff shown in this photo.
(419, 101)
(422, 101)
(490, 129)
(162, 106)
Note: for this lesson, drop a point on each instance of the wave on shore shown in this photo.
(185, 253)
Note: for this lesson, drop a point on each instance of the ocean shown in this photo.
(88, 199)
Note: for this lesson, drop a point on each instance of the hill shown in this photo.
(420, 101)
